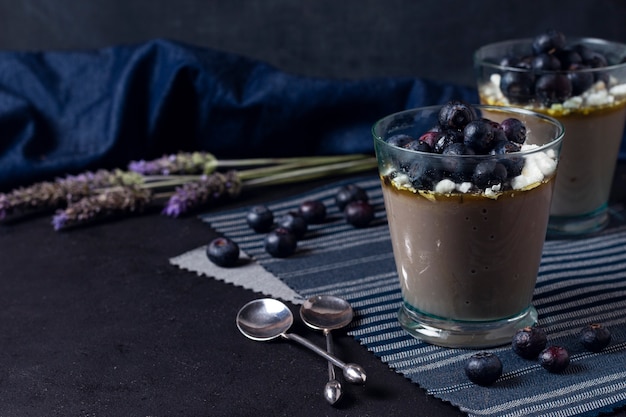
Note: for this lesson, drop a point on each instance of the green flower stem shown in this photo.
(288, 173)
(315, 172)
(308, 160)
(268, 174)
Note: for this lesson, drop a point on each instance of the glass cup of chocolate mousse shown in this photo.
(582, 83)
(467, 192)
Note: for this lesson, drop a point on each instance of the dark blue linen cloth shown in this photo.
(67, 111)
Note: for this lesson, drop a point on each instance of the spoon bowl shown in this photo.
(264, 319)
(326, 312)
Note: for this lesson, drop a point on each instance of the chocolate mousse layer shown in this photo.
(467, 257)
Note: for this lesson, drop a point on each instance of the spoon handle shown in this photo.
(352, 372)
(330, 350)
(306, 343)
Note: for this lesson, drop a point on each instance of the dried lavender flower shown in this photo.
(208, 189)
(180, 163)
(102, 178)
(40, 197)
(46, 196)
(111, 202)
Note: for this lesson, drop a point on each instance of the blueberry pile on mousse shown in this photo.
(460, 130)
(552, 71)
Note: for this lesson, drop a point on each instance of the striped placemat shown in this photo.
(580, 281)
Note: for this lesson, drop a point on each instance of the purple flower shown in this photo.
(207, 189)
(144, 167)
(176, 205)
(180, 163)
(114, 202)
(59, 220)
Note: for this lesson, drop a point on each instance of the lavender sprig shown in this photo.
(47, 196)
(175, 164)
(96, 195)
(208, 189)
(114, 201)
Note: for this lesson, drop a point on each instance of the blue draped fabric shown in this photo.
(67, 111)
(63, 112)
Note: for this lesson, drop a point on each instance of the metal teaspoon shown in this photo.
(326, 313)
(267, 318)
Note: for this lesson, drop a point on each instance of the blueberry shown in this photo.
(488, 173)
(222, 251)
(446, 138)
(596, 60)
(483, 368)
(514, 130)
(453, 164)
(431, 137)
(525, 62)
(504, 146)
(595, 337)
(555, 359)
(546, 62)
(498, 133)
(548, 42)
(280, 243)
(581, 80)
(349, 193)
(479, 135)
(553, 88)
(260, 219)
(359, 213)
(458, 148)
(513, 165)
(568, 57)
(294, 223)
(509, 61)
(517, 86)
(529, 341)
(312, 211)
(456, 114)
(399, 140)
(423, 176)
(418, 145)
(585, 52)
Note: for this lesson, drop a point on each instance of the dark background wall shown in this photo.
(327, 38)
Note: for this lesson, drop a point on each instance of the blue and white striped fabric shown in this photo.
(580, 281)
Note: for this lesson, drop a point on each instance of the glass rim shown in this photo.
(558, 136)
(528, 41)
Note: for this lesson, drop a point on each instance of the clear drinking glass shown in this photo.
(591, 104)
(467, 257)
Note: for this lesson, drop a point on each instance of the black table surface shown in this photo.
(96, 322)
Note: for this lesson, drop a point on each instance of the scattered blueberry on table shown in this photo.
(359, 213)
(293, 222)
(483, 368)
(223, 251)
(280, 243)
(554, 359)
(529, 341)
(349, 193)
(595, 337)
(313, 211)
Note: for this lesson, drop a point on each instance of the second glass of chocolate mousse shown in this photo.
(582, 83)
(467, 191)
